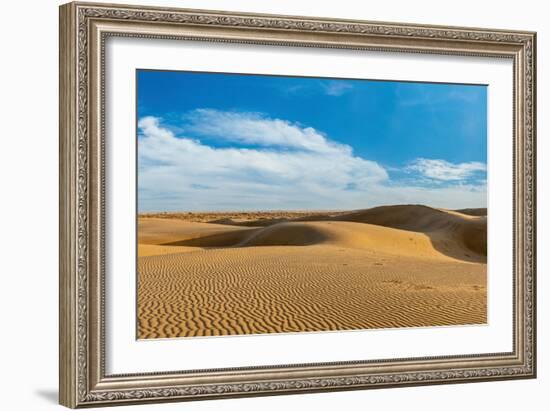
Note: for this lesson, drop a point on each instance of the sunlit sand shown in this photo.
(208, 274)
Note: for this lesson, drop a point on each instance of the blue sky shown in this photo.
(210, 141)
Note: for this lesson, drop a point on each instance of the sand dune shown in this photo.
(394, 266)
(460, 234)
(346, 234)
(162, 231)
(452, 233)
(165, 236)
(473, 211)
(410, 230)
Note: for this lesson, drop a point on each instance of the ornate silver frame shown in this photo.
(83, 30)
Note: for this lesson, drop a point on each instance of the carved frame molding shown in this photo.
(84, 27)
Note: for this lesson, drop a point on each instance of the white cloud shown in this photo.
(256, 129)
(445, 171)
(336, 87)
(283, 171)
(288, 171)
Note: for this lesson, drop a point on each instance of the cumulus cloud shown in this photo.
(286, 171)
(445, 171)
(274, 164)
(256, 129)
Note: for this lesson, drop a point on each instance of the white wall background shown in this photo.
(29, 187)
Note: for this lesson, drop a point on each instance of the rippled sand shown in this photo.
(402, 266)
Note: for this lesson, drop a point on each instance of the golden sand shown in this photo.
(399, 266)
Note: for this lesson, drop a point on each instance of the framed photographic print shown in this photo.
(259, 204)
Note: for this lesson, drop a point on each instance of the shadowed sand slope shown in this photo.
(408, 230)
(452, 233)
(348, 235)
(395, 266)
(166, 236)
(473, 211)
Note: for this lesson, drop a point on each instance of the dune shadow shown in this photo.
(280, 234)
(218, 240)
(478, 212)
(460, 234)
(474, 250)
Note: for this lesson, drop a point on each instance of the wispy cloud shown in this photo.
(293, 89)
(257, 129)
(418, 95)
(336, 87)
(445, 171)
(327, 87)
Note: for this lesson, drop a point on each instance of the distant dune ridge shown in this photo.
(247, 273)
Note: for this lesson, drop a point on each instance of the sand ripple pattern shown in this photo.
(321, 287)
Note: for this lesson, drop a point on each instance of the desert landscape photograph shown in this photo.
(278, 204)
